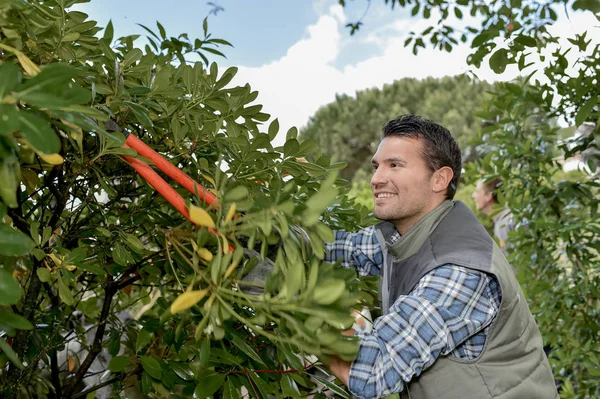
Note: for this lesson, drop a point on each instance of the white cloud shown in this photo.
(306, 78)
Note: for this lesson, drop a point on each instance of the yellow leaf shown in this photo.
(71, 363)
(230, 213)
(225, 245)
(70, 267)
(187, 300)
(30, 68)
(52, 159)
(209, 302)
(230, 269)
(55, 259)
(204, 254)
(210, 179)
(200, 216)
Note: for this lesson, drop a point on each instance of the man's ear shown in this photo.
(442, 178)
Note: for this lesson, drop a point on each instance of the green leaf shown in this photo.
(182, 370)
(237, 193)
(15, 321)
(527, 41)
(121, 255)
(140, 112)
(132, 57)
(133, 242)
(244, 347)
(204, 353)
(9, 118)
(54, 88)
(291, 147)
(144, 337)
(10, 353)
(10, 77)
(146, 383)
(585, 110)
(289, 387)
(334, 388)
(118, 364)
(38, 133)
(591, 5)
(210, 382)
(262, 387)
(329, 291)
(91, 268)
(10, 292)
(151, 366)
(14, 242)
(161, 29)
(498, 60)
(273, 129)
(230, 391)
(64, 292)
(109, 31)
(292, 133)
(43, 274)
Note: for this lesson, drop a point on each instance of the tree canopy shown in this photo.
(104, 285)
(349, 129)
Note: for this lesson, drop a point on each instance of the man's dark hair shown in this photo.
(492, 186)
(439, 147)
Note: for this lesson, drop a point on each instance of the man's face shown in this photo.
(401, 183)
(482, 197)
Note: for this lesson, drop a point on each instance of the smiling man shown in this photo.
(454, 323)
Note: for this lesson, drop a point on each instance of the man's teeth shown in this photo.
(385, 195)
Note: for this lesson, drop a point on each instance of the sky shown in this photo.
(298, 53)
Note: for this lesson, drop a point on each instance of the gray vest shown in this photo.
(513, 364)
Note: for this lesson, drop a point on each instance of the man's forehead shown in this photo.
(397, 149)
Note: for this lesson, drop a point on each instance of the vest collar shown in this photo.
(410, 243)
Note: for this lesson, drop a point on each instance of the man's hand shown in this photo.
(340, 368)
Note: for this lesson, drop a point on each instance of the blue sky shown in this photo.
(260, 30)
(298, 53)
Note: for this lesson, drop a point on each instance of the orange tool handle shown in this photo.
(170, 170)
(159, 185)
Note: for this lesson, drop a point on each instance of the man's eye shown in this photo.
(394, 165)
(374, 167)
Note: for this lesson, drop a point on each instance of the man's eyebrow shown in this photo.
(390, 160)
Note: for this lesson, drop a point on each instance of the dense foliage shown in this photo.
(556, 248)
(350, 128)
(104, 285)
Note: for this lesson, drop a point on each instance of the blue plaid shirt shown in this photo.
(448, 313)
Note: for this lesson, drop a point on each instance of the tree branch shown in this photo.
(96, 347)
(121, 377)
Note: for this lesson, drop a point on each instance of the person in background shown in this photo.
(455, 323)
(486, 200)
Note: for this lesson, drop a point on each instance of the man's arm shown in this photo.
(358, 250)
(444, 314)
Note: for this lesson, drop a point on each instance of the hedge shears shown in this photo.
(156, 181)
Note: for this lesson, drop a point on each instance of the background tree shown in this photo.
(556, 247)
(104, 285)
(349, 129)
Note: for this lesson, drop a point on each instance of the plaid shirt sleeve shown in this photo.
(358, 250)
(447, 313)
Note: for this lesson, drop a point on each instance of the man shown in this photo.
(486, 200)
(454, 321)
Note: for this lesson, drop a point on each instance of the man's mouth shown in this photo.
(384, 195)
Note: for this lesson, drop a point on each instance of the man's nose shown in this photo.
(378, 178)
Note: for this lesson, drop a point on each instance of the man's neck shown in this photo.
(405, 224)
